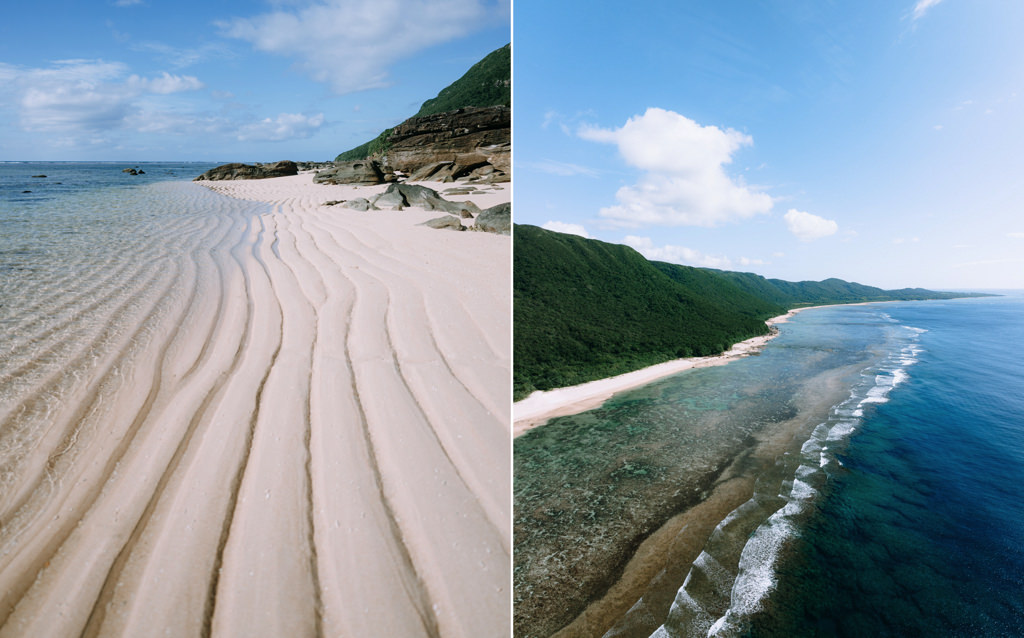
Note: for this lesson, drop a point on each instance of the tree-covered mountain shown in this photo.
(486, 83)
(584, 309)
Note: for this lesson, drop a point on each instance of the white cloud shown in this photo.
(287, 126)
(1015, 235)
(167, 83)
(922, 8)
(684, 181)
(564, 169)
(183, 57)
(675, 254)
(808, 227)
(569, 229)
(350, 44)
(84, 97)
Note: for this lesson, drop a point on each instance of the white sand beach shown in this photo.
(541, 406)
(315, 440)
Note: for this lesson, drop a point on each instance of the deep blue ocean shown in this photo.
(919, 530)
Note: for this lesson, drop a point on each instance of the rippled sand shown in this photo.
(277, 419)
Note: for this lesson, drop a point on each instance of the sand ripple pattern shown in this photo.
(265, 419)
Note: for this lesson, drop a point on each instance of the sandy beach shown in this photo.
(542, 406)
(306, 434)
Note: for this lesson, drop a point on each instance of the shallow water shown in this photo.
(590, 487)
(92, 263)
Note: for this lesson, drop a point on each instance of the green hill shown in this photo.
(486, 83)
(585, 309)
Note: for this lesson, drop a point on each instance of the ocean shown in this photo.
(892, 510)
(919, 529)
(96, 266)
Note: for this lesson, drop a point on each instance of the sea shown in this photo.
(897, 512)
(93, 263)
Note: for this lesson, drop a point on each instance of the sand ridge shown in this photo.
(311, 437)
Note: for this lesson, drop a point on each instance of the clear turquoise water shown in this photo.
(92, 260)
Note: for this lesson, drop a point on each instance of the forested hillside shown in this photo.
(586, 309)
(486, 83)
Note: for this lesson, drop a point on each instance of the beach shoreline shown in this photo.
(276, 418)
(542, 406)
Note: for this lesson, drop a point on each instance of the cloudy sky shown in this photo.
(877, 141)
(227, 81)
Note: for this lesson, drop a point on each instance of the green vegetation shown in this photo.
(584, 309)
(486, 83)
(374, 148)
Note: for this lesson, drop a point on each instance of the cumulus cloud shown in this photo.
(286, 126)
(568, 229)
(84, 96)
(1015, 235)
(808, 227)
(675, 254)
(350, 44)
(685, 182)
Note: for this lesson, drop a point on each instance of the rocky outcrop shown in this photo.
(466, 144)
(447, 222)
(496, 219)
(250, 171)
(360, 172)
(399, 196)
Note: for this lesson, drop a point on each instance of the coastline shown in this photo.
(542, 406)
(593, 473)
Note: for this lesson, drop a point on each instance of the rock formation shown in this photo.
(250, 171)
(470, 143)
(496, 219)
(448, 222)
(361, 172)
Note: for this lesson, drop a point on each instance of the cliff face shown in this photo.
(464, 133)
(469, 143)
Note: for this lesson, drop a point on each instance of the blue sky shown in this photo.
(227, 81)
(875, 141)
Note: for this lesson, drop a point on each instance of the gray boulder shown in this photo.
(448, 222)
(361, 172)
(359, 203)
(391, 199)
(425, 198)
(496, 219)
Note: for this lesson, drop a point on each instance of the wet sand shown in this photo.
(305, 433)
